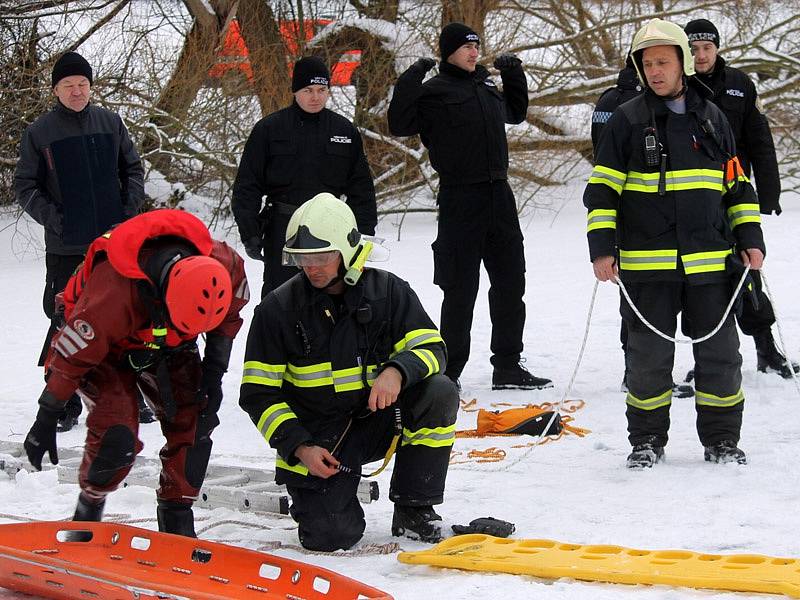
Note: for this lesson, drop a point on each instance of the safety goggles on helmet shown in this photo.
(309, 259)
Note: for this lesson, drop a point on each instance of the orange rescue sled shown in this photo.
(123, 562)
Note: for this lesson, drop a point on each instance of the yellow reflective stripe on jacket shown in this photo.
(263, 373)
(272, 417)
(653, 403)
(744, 213)
(607, 176)
(434, 437)
(429, 358)
(705, 399)
(601, 218)
(687, 179)
(320, 375)
(704, 262)
(648, 260)
(299, 468)
(416, 338)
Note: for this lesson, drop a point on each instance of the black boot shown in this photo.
(177, 518)
(417, 523)
(725, 451)
(85, 511)
(770, 360)
(645, 455)
(517, 377)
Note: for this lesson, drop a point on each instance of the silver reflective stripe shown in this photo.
(273, 417)
(441, 437)
(602, 219)
(649, 259)
(323, 374)
(262, 373)
(699, 262)
(596, 174)
(341, 380)
(420, 339)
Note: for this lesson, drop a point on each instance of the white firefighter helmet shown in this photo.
(658, 32)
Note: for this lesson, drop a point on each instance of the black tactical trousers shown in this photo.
(59, 268)
(718, 395)
(477, 223)
(327, 511)
(274, 239)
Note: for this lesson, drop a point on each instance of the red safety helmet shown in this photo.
(198, 294)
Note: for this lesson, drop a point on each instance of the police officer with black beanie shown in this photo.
(736, 95)
(460, 115)
(291, 156)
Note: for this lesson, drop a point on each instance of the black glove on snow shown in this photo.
(253, 248)
(42, 436)
(506, 61)
(486, 525)
(424, 64)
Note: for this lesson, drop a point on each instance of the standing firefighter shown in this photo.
(342, 368)
(132, 316)
(460, 116)
(667, 176)
(290, 156)
(78, 174)
(736, 96)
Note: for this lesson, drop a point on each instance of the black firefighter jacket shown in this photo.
(291, 156)
(78, 174)
(689, 230)
(309, 364)
(460, 117)
(736, 95)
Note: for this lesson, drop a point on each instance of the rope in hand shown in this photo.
(709, 335)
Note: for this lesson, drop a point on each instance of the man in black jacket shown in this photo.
(292, 155)
(736, 95)
(78, 174)
(460, 116)
(341, 369)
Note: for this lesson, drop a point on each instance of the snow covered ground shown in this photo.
(574, 490)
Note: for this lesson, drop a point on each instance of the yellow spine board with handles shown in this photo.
(614, 564)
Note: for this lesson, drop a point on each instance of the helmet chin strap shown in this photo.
(680, 92)
(339, 277)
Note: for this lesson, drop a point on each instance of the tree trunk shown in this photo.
(197, 56)
(267, 54)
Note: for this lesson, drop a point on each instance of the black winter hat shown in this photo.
(310, 71)
(453, 36)
(69, 64)
(702, 30)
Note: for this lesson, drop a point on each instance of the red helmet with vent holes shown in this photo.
(198, 294)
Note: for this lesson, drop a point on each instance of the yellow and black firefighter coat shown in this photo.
(683, 211)
(311, 359)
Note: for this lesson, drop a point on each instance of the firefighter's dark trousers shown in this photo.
(718, 393)
(113, 424)
(477, 223)
(327, 511)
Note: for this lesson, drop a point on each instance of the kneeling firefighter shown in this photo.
(343, 367)
(132, 314)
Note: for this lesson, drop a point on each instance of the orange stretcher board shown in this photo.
(122, 563)
(614, 564)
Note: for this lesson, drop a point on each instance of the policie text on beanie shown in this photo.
(309, 71)
(702, 30)
(453, 36)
